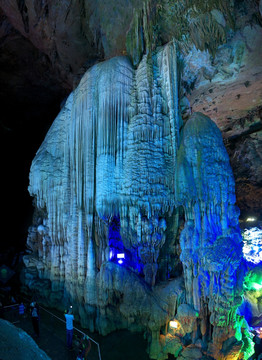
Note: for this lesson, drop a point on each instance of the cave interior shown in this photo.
(132, 159)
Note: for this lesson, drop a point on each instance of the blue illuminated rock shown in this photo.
(135, 210)
(110, 152)
(211, 243)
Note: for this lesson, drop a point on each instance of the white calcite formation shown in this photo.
(119, 174)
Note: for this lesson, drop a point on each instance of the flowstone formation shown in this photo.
(135, 222)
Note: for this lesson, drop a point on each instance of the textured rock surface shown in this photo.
(124, 169)
(119, 174)
(232, 96)
(17, 344)
(47, 46)
(109, 123)
(210, 241)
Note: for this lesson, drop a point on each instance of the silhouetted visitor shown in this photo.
(13, 313)
(13, 302)
(69, 327)
(35, 317)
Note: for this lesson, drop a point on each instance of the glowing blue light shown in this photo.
(120, 261)
(111, 254)
(120, 256)
(252, 245)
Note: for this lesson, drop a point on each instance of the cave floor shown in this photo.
(116, 346)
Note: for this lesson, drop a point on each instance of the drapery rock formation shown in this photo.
(135, 221)
(46, 47)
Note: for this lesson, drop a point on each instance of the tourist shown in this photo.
(21, 309)
(84, 348)
(13, 309)
(69, 327)
(35, 317)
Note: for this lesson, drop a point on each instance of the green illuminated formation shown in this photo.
(253, 280)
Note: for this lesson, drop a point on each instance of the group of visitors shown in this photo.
(83, 344)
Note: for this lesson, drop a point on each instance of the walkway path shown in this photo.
(116, 346)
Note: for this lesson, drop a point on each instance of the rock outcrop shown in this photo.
(17, 344)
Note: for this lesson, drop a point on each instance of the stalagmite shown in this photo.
(116, 179)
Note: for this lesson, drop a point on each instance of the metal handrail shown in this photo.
(8, 306)
(49, 312)
(81, 332)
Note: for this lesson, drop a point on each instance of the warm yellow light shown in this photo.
(173, 324)
(251, 219)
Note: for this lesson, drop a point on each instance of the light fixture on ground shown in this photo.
(173, 324)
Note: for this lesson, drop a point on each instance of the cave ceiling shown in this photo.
(46, 47)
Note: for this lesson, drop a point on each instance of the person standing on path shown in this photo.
(21, 310)
(69, 327)
(35, 317)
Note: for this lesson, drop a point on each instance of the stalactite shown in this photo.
(115, 152)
